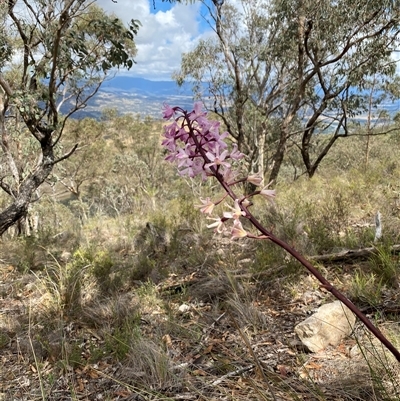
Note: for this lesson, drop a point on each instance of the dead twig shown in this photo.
(350, 254)
(236, 372)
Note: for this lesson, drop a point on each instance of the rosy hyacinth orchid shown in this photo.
(217, 159)
(197, 112)
(218, 224)
(255, 179)
(268, 194)
(237, 230)
(194, 143)
(207, 206)
(168, 111)
(237, 211)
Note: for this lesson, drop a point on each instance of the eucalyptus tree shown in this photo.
(54, 56)
(279, 72)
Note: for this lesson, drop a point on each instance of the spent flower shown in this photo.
(256, 179)
(237, 211)
(218, 224)
(237, 230)
(207, 206)
(268, 194)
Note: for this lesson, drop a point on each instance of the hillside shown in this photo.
(146, 98)
(137, 96)
(121, 292)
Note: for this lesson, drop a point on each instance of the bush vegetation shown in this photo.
(118, 288)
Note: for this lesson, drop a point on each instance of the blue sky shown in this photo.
(164, 6)
(166, 32)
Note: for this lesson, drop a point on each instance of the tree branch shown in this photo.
(66, 155)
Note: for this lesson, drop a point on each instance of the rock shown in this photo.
(355, 351)
(184, 308)
(328, 326)
(65, 256)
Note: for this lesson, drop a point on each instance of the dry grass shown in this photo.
(138, 300)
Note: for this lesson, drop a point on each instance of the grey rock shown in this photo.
(328, 326)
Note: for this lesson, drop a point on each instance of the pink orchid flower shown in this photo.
(197, 112)
(238, 231)
(217, 159)
(237, 212)
(235, 154)
(218, 225)
(207, 206)
(168, 111)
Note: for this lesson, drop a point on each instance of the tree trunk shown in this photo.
(278, 158)
(19, 208)
(280, 152)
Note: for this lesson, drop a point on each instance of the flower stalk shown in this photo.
(196, 146)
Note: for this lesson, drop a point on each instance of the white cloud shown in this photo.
(163, 36)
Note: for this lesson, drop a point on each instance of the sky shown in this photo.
(166, 32)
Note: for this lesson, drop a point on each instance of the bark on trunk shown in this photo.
(281, 149)
(19, 208)
(278, 158)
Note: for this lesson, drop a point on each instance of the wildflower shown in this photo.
(235, 154)
(188, 170)
(218, 138)
(255, 179)
(196, 145)
(217, 159)
(198, 168)
(197, 112)
(237, 212)
(218, 224)
(268, 194)
(207, 206)
(246, 203)
(168, 111)
(229, 175)
(169, 135)
(183, 156)
(238, 231)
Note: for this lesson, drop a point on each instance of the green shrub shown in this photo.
(385, 265)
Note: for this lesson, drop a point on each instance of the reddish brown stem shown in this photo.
(337, 294)
(325, 283)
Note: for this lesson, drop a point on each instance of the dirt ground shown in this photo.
(208, 334)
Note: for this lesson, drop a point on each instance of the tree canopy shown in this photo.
(54, 56)
(278, 72)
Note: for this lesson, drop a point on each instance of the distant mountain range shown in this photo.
(144, 97)
(144, 86)
(137, 96)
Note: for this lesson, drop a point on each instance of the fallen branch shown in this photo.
(233, 373)
(350, 254)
